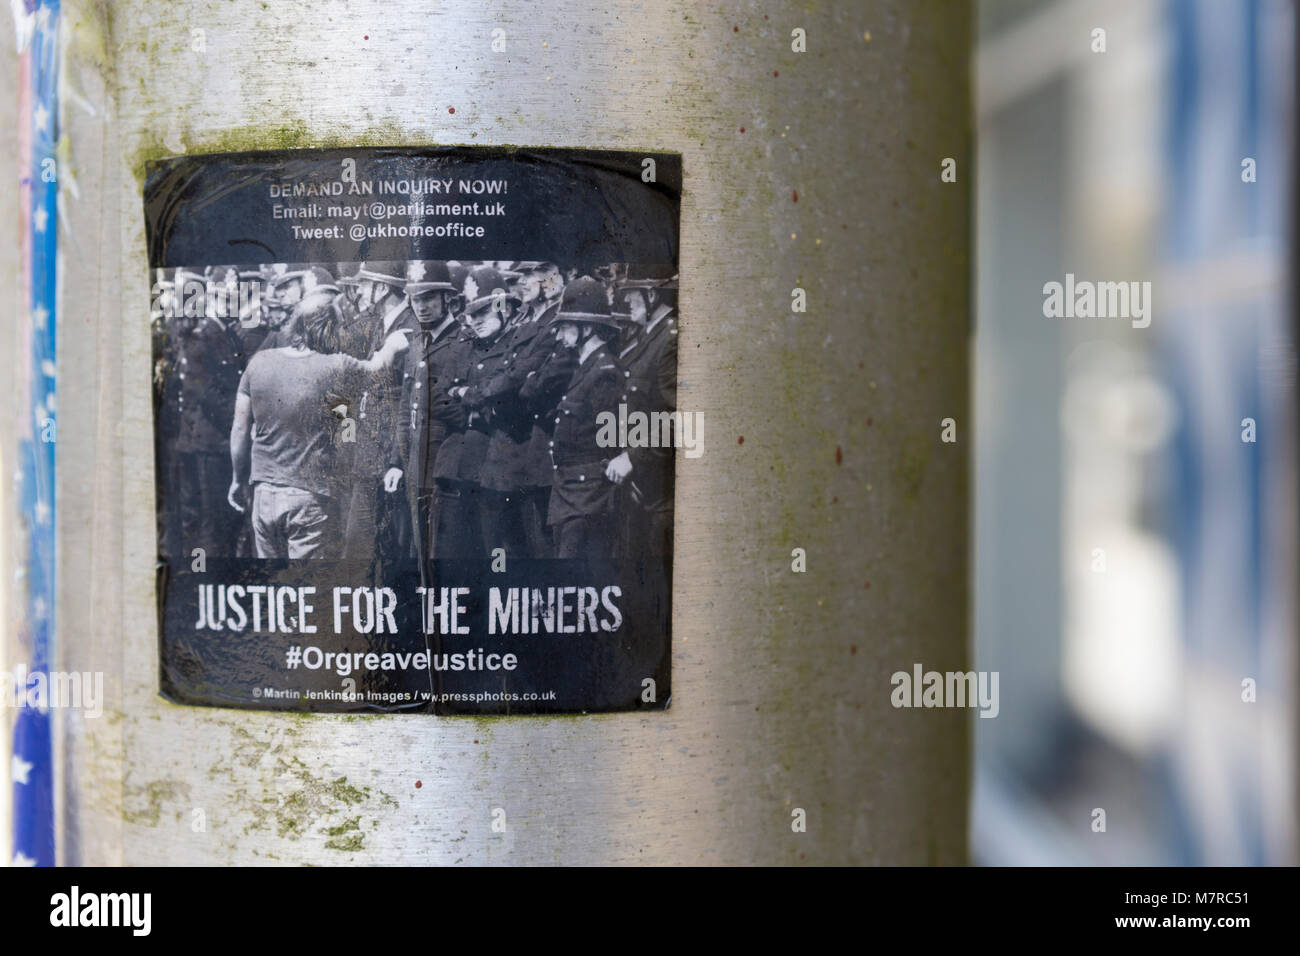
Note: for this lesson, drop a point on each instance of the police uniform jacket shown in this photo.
(507, 467)
(579, 486)
(650, 375)
(539, 397)
(380, 412)
(469, 424)
(207, 370)
(431, 364)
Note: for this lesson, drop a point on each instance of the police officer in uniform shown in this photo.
(458, 471)
(547, 370)
(540, 396)
(253, 327)
(582, 497)
(164, 311)
(350, 285)
(432, 364)
(649, 359)
(378, 524)
(514, 474)
(207, 369)
(502, 515)
(167, 406)
(459, 273)
(284, 290)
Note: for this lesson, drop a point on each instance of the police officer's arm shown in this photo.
(662, 397)
(397, 342)
(400, 449)
(399, 445)
(165, 349)
(241, 446)
(508, 381)
(543, 387)
(535, 353)
(667, 372)
(621, 465)
(635, 395)
(489, 389)
(214, 367)
(394, 384)
(444, 405)
(353, 374)
(605, 395)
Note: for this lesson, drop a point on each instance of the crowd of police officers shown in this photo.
(482, 434)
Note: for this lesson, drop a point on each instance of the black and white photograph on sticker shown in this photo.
(414, 409)
(428, 483)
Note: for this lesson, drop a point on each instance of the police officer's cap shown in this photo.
(389, 273)
(586, 301)
(428, 276)
(284, 278)
(459, 273)
(319, 277)
(489, 285)
(647, 276)
(524, 268)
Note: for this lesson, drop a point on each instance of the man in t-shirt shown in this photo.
(285, 435)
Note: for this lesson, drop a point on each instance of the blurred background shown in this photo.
(1135, 548)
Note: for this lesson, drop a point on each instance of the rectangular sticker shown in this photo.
(415, 427)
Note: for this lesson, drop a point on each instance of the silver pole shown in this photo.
(818, 170)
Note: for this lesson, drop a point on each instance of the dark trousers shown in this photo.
(426, 517)
(245, 539)
(584, 536)
(515, 522)
(207, 520)
(645, 530)
(535, 501)
(378, 522)
(458, 533)
(169, 504)
(395, 522)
